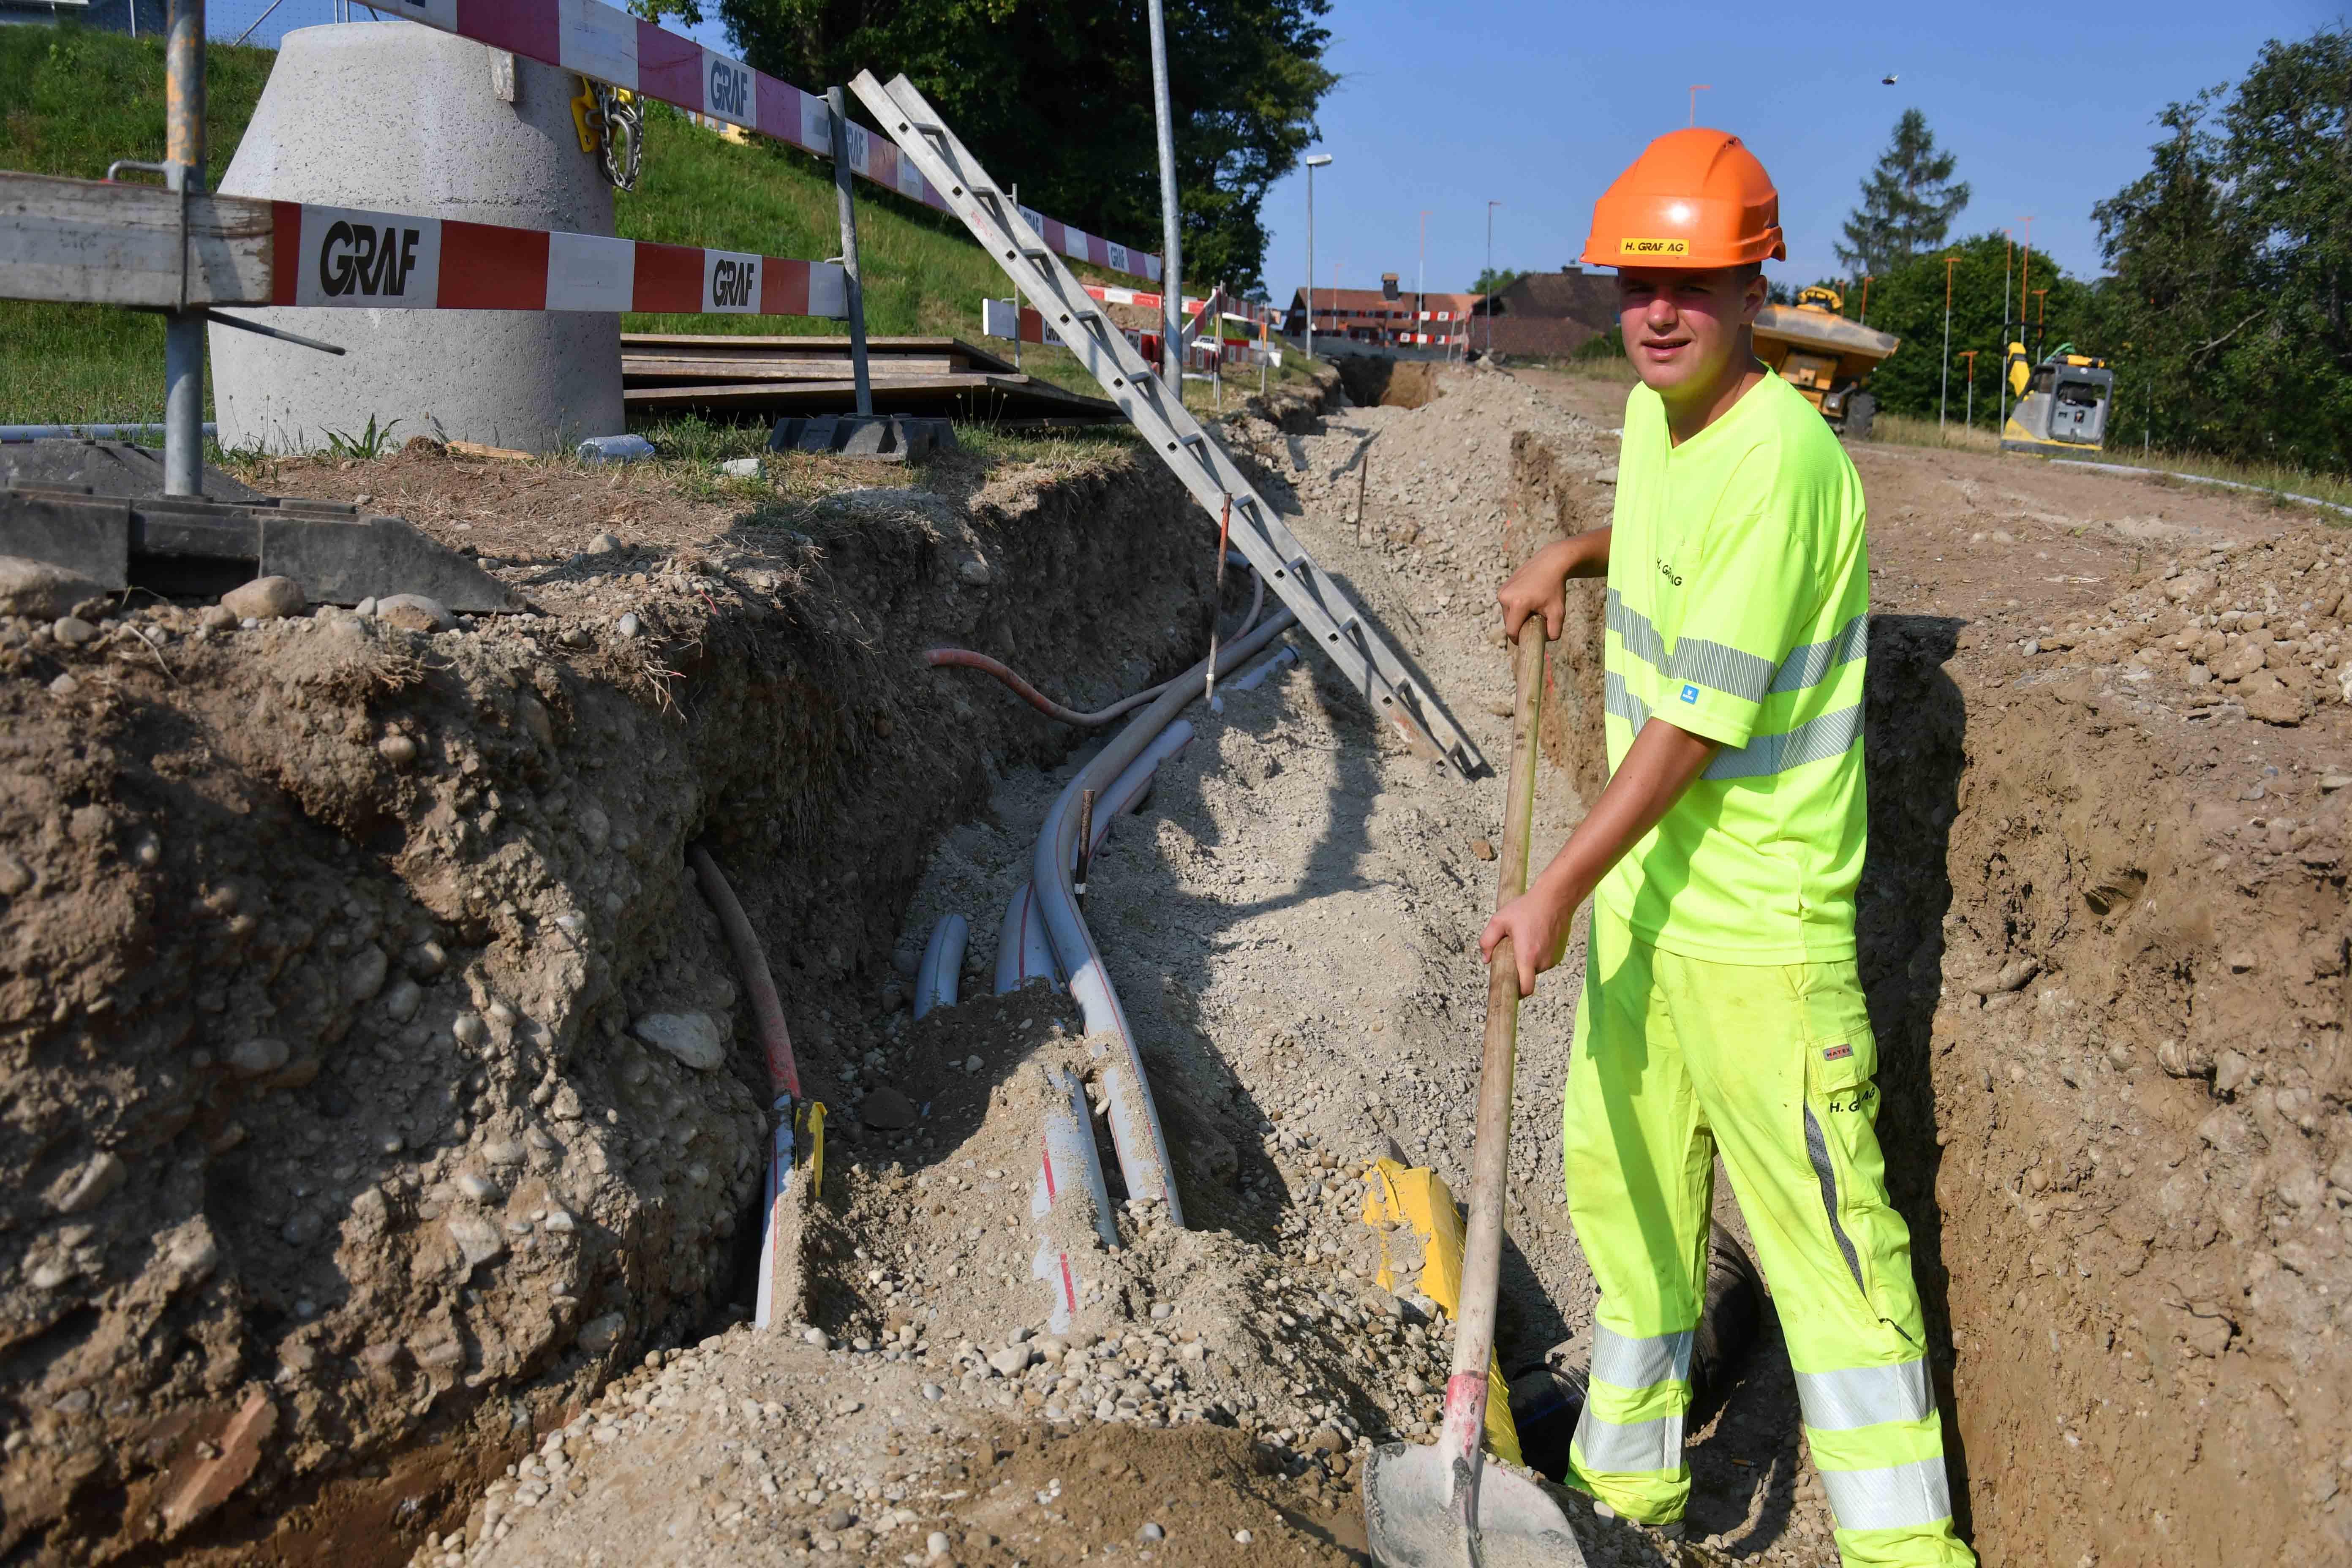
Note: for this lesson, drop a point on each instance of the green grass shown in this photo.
(71, 101)
(1902, 430)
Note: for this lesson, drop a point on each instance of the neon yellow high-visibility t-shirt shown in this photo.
(1738, 609)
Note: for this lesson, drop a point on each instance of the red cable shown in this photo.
(966, 658)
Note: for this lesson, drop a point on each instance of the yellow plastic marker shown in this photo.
(1420, 1197)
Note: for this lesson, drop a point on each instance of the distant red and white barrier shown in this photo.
(339, 257)
(606, 44)
(997, 319)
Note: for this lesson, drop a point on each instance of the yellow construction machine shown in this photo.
(1828, 358)
(2062, 403)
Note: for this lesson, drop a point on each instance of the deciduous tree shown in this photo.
(1057, 95)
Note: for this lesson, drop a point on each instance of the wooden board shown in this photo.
(645, 369)
(90, 241)
(875, 348)
(980, 396)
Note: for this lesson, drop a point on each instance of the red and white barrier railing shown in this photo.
(91, 240)
(336, 256)
(606, 44)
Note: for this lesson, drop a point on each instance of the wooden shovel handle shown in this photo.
(1482, 1251)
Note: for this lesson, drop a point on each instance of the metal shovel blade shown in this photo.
(1410, 1521)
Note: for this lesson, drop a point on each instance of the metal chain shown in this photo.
(620, 122)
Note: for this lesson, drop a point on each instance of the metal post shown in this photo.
(1172, 274)
(2024, 280)
(1943, 392)
(184, 329)
(1490, 277)
(853, 291)
(1016, 297)
(1314, 162)
(2000, 355)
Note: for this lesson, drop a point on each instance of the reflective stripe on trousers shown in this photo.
(1865, 1395)
(1899, 1497)
(1909, 1495)
(1636, 1449)
(1639, 1373)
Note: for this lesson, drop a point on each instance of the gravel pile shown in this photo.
(2255, 629)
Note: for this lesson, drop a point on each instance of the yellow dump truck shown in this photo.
(1828, 358)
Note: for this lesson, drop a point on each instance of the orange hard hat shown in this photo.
(1695, 198)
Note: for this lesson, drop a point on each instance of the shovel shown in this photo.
(1441, 1506)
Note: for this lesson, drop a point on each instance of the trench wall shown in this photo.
(338, 1159)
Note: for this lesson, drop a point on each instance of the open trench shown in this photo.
(357, 1209)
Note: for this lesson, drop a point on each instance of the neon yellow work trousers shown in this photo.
(1675, 1059)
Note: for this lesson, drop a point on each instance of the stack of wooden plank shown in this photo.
(773, 376)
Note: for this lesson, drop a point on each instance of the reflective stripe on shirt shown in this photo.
(1719, 667)
(1812, 664)
(1827, 736)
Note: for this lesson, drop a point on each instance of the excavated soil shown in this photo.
(340, 1158)
(454, 1271)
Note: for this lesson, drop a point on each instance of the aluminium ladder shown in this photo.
(1322, 607)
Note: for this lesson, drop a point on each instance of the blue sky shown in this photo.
(1540, 105)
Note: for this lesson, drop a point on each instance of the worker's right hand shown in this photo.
(1540, 587)
(1537, 924)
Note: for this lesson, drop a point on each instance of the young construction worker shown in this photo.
(1722, 1012)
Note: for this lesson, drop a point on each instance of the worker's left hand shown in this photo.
(1537, 921)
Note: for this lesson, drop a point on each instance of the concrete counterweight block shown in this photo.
(392, 116)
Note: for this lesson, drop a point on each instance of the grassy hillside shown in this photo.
(72, 101)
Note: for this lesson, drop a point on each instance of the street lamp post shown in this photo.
(1490, 277)
(1943, 392)
(1420, 281)
(1172, 275)
(1314, 162)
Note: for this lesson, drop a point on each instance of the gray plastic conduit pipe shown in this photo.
(1285, 654)
(943, 967)
(1069, 1154)
(1023, 954)
(1135, 1128)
